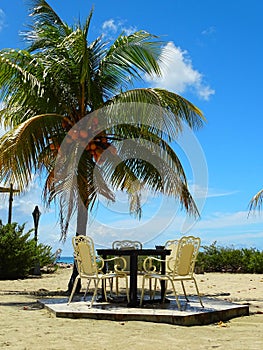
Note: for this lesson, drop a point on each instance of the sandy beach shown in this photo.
(25, 325)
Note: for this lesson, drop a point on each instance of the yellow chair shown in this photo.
(122, 245)
(169, 261)
(126, 243)
(90, 267)
(180, 267)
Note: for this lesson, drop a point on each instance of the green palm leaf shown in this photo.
(256, 202)
(22, 146)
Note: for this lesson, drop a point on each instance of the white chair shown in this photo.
(127, 244)
(173, 246)
(122, 245)
(169, 261)
(90, 267)
(180, 267)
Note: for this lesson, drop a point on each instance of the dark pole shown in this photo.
(10, 204)
(36, 215)
(11, 192)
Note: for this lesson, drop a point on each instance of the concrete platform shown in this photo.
(192, 313)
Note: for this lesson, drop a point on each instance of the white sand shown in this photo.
(25, 326)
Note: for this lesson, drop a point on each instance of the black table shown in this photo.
(133, 254)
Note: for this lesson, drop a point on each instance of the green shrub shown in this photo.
(214, 258)
(19, 254)
(208, 258)
(45, 256)
(255, 263)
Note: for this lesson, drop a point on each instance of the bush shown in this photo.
(19, 254)
(214, 258)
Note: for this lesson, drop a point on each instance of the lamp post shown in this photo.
(36, 215)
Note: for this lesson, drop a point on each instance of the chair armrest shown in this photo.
(120, 263)
(170, 262)
(100, 260)
(148, 265)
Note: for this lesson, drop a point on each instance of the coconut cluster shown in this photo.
(94, 145)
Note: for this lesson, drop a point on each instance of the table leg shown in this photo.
(162, 281)
(133, 280)
(104, 270)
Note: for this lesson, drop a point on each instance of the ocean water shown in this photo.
(65, 260)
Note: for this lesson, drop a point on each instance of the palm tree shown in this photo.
(62, 78)
(257, 201)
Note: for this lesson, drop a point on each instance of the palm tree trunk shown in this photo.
(82, 220)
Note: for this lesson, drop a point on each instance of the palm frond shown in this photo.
(15, 71)
(128, 58)
(20, 147)
(72, 179)
(151, 178)
(163, 110)
(150, 163)
(87, 25)
(256, 202)
(47, 26)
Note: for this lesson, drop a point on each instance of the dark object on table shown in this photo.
(159, 246)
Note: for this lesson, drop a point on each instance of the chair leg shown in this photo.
(111, 285)
(127, 289)
(95, 292)
(165, 289)
(185, 295)
(87, 289)
(154, 291)
(176, 296)
(151, 290)
(103, 281)
(197, 290)
(117, 285)
(73, 289)
(142, 292)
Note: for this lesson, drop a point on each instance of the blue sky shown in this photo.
(215, 61)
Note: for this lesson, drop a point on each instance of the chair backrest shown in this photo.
(187, 251)
(170, 259)
(84, 254)
(126, 244)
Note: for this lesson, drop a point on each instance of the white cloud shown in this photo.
(109, 25)
(225, 228)
(2, 19)
(209, 31)
(24, 202)
(112, 26)
(162, 216)
(128, 30)
(178, 74)
(203, 192)
(223, 220)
